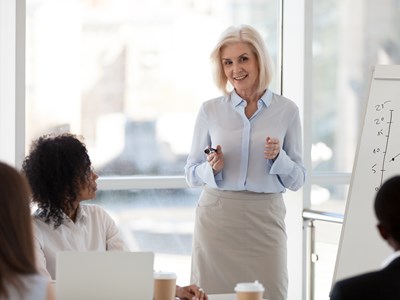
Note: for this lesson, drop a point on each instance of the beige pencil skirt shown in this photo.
(240, 237)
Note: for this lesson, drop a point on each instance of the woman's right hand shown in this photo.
(216, 160)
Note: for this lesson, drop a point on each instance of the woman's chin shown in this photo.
(89, 197)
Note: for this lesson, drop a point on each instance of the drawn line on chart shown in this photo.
(386, 146)
(394, 157)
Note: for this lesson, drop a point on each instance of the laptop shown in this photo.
(104, 275)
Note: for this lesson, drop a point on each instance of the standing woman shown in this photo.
(253, 143)
(19, 279)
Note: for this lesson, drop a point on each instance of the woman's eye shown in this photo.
(227, 62)
(244, 58)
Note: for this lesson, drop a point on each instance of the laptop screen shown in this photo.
(104, 275)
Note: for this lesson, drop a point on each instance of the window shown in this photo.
(129, 76)
(345, 47)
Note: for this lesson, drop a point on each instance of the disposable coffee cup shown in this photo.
(164, 285)
(249, 291)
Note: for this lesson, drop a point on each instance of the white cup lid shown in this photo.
(249, 287)
(164, 275)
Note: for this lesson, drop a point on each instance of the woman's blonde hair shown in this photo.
(242, 34)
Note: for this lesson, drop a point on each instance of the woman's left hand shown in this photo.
(190, 292)
(272, 148)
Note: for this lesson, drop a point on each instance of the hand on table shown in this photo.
(190, 292)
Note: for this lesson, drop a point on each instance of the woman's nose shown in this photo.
(236, 68)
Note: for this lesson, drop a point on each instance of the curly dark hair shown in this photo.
(56, 167)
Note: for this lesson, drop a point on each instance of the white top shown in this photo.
(35, 288)
(94, 230)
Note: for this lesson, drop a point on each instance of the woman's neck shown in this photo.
(72, 213)
(249, 96)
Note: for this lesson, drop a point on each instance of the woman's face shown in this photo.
(89, 188)
(240, 67)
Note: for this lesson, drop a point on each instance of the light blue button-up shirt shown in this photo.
(222, 121)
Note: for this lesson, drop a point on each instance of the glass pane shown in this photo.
(130, 75)
(327, 237)
(349, 37)
(329, 198)
(332, 199)
(156, 220)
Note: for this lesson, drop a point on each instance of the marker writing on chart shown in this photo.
(386, 144)
(394, 157)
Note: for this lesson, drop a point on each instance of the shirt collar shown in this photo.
(390, 258)
(81, 216)
(265, 98)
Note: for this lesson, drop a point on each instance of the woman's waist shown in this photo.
(241, 194)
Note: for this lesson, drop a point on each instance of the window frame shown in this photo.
(295, 82)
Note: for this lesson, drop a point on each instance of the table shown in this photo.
(222, 297)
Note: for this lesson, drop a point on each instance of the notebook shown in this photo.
(104, 275)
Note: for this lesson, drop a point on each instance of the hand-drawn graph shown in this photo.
(383, 125)
(377, 159)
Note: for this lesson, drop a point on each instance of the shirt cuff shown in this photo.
(282, 164)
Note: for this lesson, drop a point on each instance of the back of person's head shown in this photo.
(387, 207)
(56, 167)
(16, 236)
(242, 34)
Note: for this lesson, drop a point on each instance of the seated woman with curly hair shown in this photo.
(60, 173)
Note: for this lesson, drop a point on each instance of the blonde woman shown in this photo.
(253, 152)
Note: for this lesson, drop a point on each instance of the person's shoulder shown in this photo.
(216, 100)
(38, 219)
(214, 105)
(36, 279)
(96, 214)
(92, 208)
(282, 100)
(360, 280)
(395, 263)
(373, 285)
(41, 229)
(35, 287)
